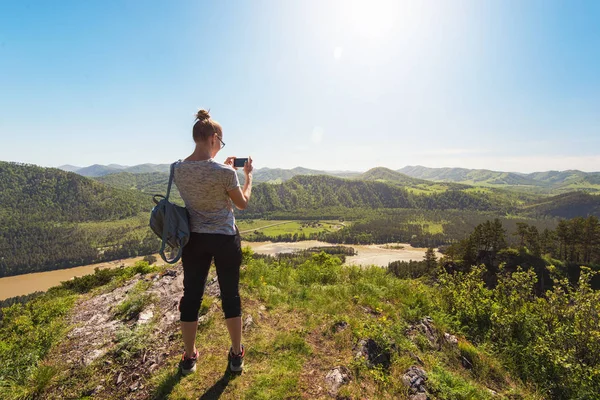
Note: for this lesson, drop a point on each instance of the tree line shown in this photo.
(563, 251)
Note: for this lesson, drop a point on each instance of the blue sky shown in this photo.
(336, 85)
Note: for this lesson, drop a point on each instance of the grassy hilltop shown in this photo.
(313, 328)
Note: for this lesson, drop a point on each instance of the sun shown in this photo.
(375, 18)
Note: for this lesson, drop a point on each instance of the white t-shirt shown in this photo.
(203, 186)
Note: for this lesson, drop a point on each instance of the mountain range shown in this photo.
(546, 182)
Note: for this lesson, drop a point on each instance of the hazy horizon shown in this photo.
(321, 169)
(334, 85)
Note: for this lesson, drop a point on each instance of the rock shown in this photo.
(120, 378)
(248, 322)
(415, 378)
(450, 339)
(262, 308)
(336, 378)
(340, 326)
(373, 353)
(98, 389)
(89, 357)
(145, 317)
(425, 326)
(170, 272)
(492, 392)
(212, 288)
(134, 386)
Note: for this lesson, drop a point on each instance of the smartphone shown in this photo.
(239, 162)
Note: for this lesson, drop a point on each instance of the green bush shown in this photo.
(551, 341)
(150, 259)
(321, 269)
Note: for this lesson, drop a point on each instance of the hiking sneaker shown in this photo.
(236, 361)
(187, 365)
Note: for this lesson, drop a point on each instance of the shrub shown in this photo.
(322, 269)
(552, 341)
(150, 259)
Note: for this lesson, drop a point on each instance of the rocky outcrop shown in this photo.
(96, 331)
(415, 379)
(373, 353)
(425, 327)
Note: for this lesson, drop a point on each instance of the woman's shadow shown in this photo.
(213, 393)
(216, 390)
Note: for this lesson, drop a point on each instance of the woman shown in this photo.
(209, 190)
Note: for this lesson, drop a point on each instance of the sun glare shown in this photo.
(375, 18)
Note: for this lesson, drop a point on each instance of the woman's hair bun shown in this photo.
(202, 115)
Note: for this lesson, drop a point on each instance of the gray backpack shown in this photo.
(170, 222)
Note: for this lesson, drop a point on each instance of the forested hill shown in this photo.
(51, 219)
(278, 175)
(381, 188)
(553, 182)
(32, 192)
(148, 182)
(568, 205)
(101, 170)
(271, 175)
(464, 175)
(312, 192)
(382, 174)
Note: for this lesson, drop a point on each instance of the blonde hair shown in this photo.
(205, 126)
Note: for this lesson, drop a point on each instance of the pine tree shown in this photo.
(430, 258)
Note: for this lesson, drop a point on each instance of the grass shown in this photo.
(296, 343)
(136, 301)
(296, 339)
(250, 224)
(451, 386)
(287, 227)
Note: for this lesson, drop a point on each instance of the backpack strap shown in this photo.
(164, 257)
(171, 173)
(164, 235)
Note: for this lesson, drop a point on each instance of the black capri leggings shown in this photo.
(196, 258)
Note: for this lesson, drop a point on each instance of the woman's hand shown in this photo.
(248, 166)
(229, 162)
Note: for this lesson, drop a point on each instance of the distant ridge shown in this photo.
(97, 170)
(544, 182)
(278, 175)
(69, 168)
(549, 181)
(382, 174)
(469, 176)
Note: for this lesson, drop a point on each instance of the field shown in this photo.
(430, 227)
(274, 228)
(427, 188)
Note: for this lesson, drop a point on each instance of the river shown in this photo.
(366, 255)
